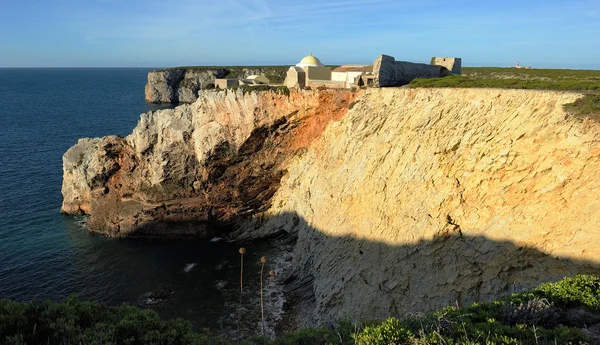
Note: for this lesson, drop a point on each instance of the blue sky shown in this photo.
(150, 33)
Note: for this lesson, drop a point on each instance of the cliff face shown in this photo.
(413, 200)
(418, 199)
(180, 85)
(207, 163)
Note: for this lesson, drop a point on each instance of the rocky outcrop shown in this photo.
(183, 172)
(182, 85)
(179, 85)
(423, 198)
(389, 72)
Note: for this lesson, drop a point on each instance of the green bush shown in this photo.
(261, 88)
(391, 331)
(74, 322)
(533, 317)
(586, 106)
(581, 290)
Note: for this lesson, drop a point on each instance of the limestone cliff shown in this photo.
(402, 200)
(418, 199)
(185, 171)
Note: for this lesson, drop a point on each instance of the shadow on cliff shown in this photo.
(345, 277)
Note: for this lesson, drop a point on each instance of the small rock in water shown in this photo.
(221, 265)
(216, 239)
(162, 292)
(158, 295)
(220, 284)
(188, 267)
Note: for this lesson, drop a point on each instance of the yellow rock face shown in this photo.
(420, 198)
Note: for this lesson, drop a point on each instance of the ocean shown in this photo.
(47, 255)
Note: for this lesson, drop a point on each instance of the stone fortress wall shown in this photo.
(454, 65)
(389, 72)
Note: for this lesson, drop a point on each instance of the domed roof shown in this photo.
(309, 60)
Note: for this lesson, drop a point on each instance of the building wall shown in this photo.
(335, 84)
(347, 77)
(351, 77)
(318, 73)
(225, 83)
(339, 76)
(295, 78)
(452, 64)
(389, 72)
(259, 79)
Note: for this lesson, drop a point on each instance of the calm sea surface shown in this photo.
(45, 255)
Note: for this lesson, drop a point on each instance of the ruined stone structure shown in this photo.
(452, 64)
(389, 72)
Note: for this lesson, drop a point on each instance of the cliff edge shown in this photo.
(420, 198)
(402, 200)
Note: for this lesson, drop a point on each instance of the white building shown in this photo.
(348, 74)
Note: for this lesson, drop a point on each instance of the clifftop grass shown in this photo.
(584, 81)
(518, 78)
(553, 313)
(562, 84)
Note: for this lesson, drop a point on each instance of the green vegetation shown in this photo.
(565, 84)
(530, 73)
(541, 316)
(518, 78)
(260, 88)
(586, 106)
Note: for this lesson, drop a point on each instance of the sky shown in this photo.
(151, 33)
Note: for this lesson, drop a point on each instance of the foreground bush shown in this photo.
(541, 316)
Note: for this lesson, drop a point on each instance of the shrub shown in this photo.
(537, 311)
(586, 106)
(391, 331)
(581, 290)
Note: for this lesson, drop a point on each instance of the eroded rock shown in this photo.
(183, 172)
(422, 198)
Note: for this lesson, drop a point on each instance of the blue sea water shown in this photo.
(46, 255)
